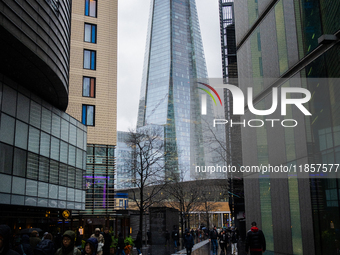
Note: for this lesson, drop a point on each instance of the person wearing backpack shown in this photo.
(45, 247)
(67, 245)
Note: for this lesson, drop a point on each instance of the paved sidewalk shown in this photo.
(196, 247)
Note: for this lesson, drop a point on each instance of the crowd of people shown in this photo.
(70, 243)
(255, 242)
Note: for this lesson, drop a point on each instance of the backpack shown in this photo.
(234, 237)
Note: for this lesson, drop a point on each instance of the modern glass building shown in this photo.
(42, 149)
(280, 44)
(124, 153)
(174, 61)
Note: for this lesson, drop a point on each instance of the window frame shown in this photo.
(91, 33)
(87, 10)
(93, 54)
(84, 120)
(90, 87)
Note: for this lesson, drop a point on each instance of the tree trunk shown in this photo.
(182, 224)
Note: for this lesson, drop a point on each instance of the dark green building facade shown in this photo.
(292, 44)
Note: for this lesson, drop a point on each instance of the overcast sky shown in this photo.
(133, 18)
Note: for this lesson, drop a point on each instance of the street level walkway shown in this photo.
(196, 247)
(201, 248)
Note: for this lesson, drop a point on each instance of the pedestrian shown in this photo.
(188, 242)
(78, 242)
(149, 237)
(67, 244)
(58, 239)
(46, 246)
(192, 232)
(223, 238)
(24, 247)
(107, 241)
(234, 239)
(34, 239)
(213, 240)
(167, 237)
(5, 235)
(91, 246)
(255, 240)
(120, 245)
(100, 239)
(175, 236)
(138, 242)
(44, 236)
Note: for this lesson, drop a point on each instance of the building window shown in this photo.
(89, 85)
(90, 59)
(120, 202)
(88, 115)
(91, 8)
(90, 34)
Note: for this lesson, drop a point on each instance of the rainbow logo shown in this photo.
(208, 92)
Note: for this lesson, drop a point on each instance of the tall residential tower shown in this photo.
(93, 95)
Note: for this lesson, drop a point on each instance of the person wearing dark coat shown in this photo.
(34, 239)
(25, 246)
(58, 240)
(5, 235)
(213, 240)
(188, 242)
(45, 247)
(120, 245)
(138, 242)
(223, 237)
(255, 240)
(67, 245)
(149, 236)
(167, 237)
(175, 236)
(91, 246)
(107, 241)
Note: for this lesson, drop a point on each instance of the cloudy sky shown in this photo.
(133, 18)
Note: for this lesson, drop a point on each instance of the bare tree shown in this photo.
(147, 166)
(183, 196)
(207, 204)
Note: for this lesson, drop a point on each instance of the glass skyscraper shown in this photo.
(174, 60)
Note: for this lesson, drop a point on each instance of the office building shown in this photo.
(284, 44)
(124, 153)
(174, 62)
(42, 149)
(233, 145)
(93, 96)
